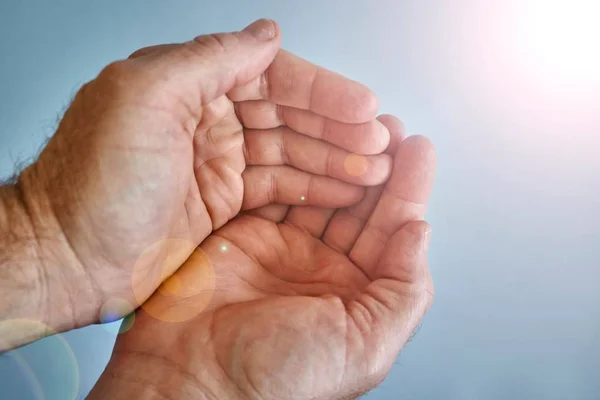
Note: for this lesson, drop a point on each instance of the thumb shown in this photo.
(402, 281)
(397, 299)
(226, 60)
(207, 67)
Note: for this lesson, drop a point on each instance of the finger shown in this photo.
(310, 219)
(272, 212)
(346, 225)
(343, 226)
(386, 314)
(396, 129)
(294, 82)
(404, 199)
(283, 146)
(285, 185)
(371, 137)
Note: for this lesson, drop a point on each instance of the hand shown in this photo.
(161, 149)
(305, 303)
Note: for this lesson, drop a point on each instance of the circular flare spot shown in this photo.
(127, 323)
(187, 293)
(356, 164)
(158, 263)
(57, 354)
(114, 309)
(117, 316)
(171, 286)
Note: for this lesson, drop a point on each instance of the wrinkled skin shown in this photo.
(305, 303)
(171, 144)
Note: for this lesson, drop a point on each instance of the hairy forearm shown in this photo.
(33, 299)
(21, 276)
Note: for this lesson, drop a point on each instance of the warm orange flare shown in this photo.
(356, 164)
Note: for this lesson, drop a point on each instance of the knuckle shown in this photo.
(139, 52)
(115, 77)
(116, 69)
(213, 44)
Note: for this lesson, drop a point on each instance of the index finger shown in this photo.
(294, 82)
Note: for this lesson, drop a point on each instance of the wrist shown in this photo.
(37, 268)
(21, 277)
(140, 375)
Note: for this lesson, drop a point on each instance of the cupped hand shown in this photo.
(290, 303)
(164, 147)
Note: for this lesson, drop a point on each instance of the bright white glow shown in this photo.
(562, 37)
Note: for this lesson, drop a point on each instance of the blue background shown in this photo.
(515, 211)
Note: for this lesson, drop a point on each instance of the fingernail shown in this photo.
(263, 29)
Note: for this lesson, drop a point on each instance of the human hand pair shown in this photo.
(312, 297)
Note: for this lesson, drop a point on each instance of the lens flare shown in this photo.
(356, 164)
(32, 381)
(117, 316)
(182, 295)
(57, 354)
(114, 309)
(127, 323)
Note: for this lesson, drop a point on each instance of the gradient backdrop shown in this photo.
(507, 90)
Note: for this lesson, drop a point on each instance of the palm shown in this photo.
(265, 258)
(293, 302)
(286, 292)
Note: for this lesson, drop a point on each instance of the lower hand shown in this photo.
(289, 303)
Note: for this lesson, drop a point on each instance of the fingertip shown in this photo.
(380, 169)
(396, 131)
(416, 150)
(420, 141)
(357, 195)
(380, 138)
(370, 105)
(367, 104)
(277, 28)
(263, 29)
(356, 104)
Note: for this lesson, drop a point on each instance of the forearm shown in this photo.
(33, 299)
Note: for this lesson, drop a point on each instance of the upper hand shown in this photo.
(164, 147)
